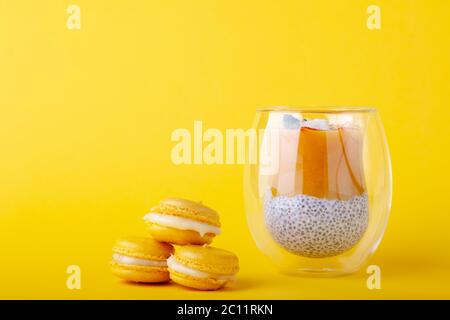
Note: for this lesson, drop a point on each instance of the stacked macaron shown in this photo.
(202, 267)
(140, 259)
(191, 226)
(181, 221)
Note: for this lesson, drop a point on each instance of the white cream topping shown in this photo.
(181, 223)
(138, 262)
(181, 268)
(318, 124)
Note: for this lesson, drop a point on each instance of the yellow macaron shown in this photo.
(182, 222)
(141, 259)
(202, 267)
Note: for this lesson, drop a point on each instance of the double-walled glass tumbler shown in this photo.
(319, 195)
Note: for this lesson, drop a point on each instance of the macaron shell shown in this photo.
(196, 283)
(144, 248)
(188, 209)
(208, 259)
(140, 273)
(177, 236)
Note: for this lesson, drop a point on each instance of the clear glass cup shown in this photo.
(319, 192)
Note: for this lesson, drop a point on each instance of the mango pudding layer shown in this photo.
(315, 201)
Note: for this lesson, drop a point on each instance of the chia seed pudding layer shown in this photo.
(314, 227)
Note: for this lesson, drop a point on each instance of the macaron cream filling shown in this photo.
(138, 261)
(181, 223)
(181, 268)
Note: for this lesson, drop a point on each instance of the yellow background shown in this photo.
(86, 117)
